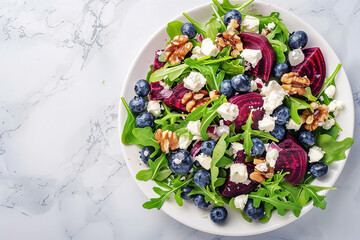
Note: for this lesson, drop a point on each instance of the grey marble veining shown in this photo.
(62, 174)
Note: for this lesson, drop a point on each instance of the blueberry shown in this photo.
(218, 214)
(202, 178)
(137, 104)
(180, 162)
(185, 193)
(307, 138)
(241, 83)
(232, 14)
(319, 169)
(226, 88)
(282, 115)
(142, 87)
(253, 212)
(298, 39)
(199, 201)
(145, 154)
(278, 132)
(145, 119)
(189, 30)
(207, 147)
(280, 69)
(258, 147)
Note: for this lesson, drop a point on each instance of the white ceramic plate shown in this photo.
(235, 224)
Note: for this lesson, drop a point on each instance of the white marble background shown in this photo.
(62, 173)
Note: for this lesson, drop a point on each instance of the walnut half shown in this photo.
(195, 100)
(168, 140)
(229, 38)
(312, 120)
(176, 51)
(294, 84)
(259, 176)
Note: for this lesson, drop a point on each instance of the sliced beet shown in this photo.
(174, 101)
(313, 67)
(231, 189)
(157, 64)
(212, 132)
(265, 65)
(293, 159)
(196, 149)
(157, 92)
(246, 102)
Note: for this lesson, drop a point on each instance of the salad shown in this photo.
(237, 112)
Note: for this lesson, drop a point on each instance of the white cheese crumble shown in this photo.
(262, 167)
(292, 125)
(274, 96)
(250, 24)
(271, 156)
(240, 201)
(315, 154)
(327, 124)
(236, 147)
(336, 106)
(204, 160)
(184, 141)
(154, 108)
(252, 56)
(196, 53)
(330, 91)
(228, 111)
(253, 85)
(195, 81)
(238, 173)
(267, 124)
(321, 98)
(209, 48)
(271, 26)
(296, 57)
(222, 129)
(164, 85)
(194, 127)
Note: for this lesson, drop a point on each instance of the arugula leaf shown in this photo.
(165, 194)
(263, 135)
(232, 67)
(224, 161)
(334, 150)
(149, 73)
(269, 208)
(127, 137)
(208, 30)
(145, 137)
(219, 19)
(226, 6)
(329, 81)
(232, 205)
(309, 95)
(170, 73)
(210, 196)
(272, 184)
(154, 171)
(310, 191)
(279, 50)
(218, 153)
(173, 29)
(209, 116)
(296, 104)
(246, 135)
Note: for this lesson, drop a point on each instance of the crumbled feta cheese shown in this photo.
(204, 160)
(240, 201)
(315, 154)
(253, 85)
(259, 82)
(262, 167)
(267, 124)
(238, 173)
(335, 106)
(221, 130)
(321, 98)
(271, 26)
(184, 141)
(330, 91)
(154, 108)
(195, 81)
(271, 156)
(296, 57)
(164, 85)
(228, 111)
(292, 125)
(236, 147)
(327, 124)
(274, 96)
(197, 53)
(250, 24)
(252, 56)
(209, 48)
(194, 127)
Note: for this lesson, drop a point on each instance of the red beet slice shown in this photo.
(292, 159)
(265, 65)
(313, 67)
(212, 132)
(174, 101)
(157, 64)
(196, 149)
(246, 102)
(231, 189)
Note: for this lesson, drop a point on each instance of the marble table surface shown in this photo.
(62, 173)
